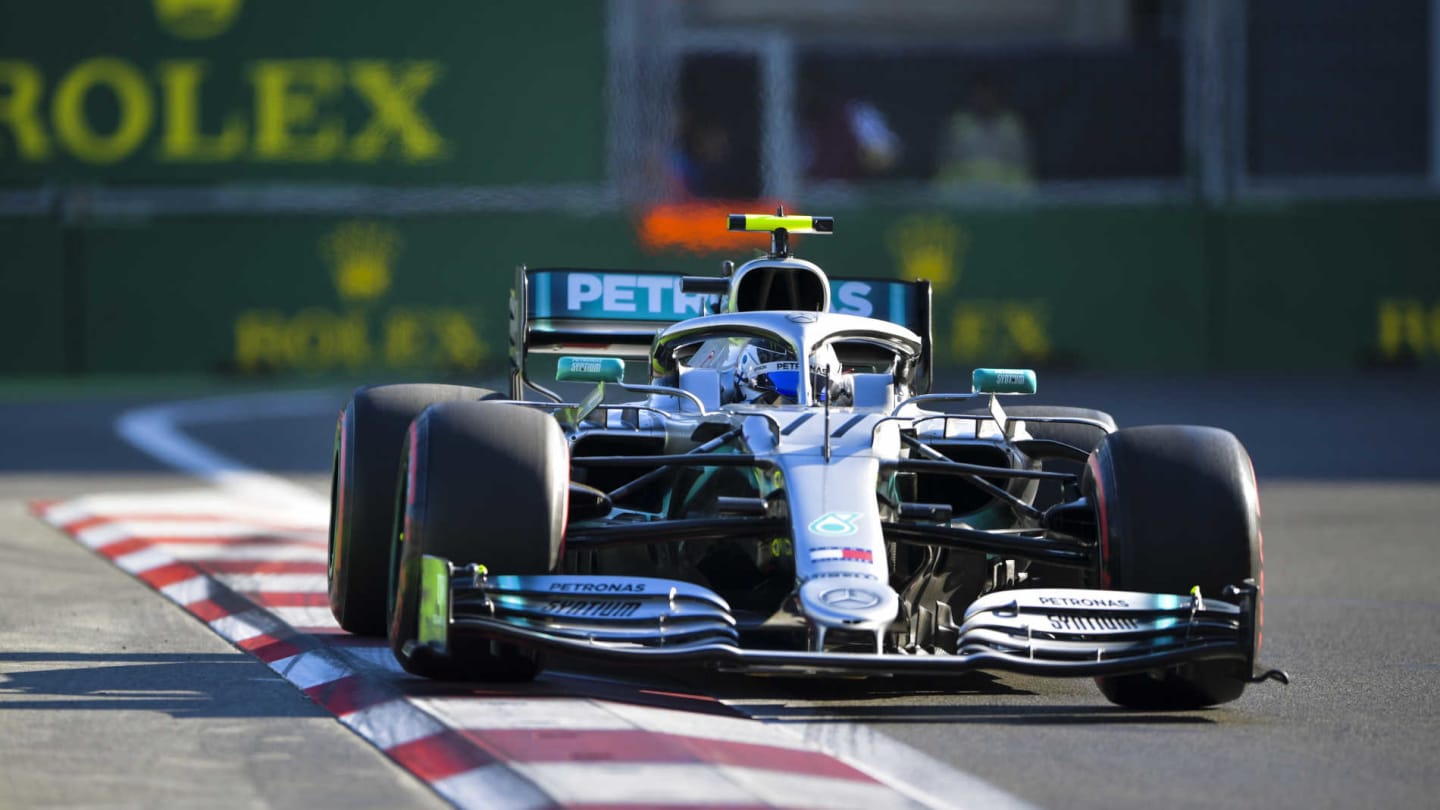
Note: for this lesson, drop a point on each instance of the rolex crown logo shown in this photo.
(930, 248)
(360, 255)
(196, 19)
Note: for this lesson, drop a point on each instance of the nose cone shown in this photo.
(849, 603)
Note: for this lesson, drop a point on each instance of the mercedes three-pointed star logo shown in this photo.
(849, 598)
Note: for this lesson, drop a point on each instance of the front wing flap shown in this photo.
(1055, 631)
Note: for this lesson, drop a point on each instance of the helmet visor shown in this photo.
(782, 378)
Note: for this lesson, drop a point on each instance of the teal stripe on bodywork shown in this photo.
(898, 312)
(540, 296)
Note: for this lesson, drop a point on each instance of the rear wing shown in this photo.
(556, 311)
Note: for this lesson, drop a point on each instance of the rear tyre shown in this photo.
(1177, 507)
(368, 438)
(481, 483)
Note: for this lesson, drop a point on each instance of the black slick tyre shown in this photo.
(368, 437)
(1177, 507)
(483, 483)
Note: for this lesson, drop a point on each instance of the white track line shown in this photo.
(155, 430)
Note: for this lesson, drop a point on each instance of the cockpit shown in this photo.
(765, 371)
(785, 358)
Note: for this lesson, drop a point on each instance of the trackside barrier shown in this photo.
(1318, 286)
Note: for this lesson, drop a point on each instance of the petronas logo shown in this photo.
(835, 524)
(929, 247)
(197, 19)
(360, 255)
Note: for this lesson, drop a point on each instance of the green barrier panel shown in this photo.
(1096, 288)
(1111, 288)
(32, 297)
(1120, 287)
(1329, 285)
(243, 91)
(320, 295)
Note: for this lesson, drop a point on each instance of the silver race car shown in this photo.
(777, 490)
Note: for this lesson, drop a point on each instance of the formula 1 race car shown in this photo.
(786, 495)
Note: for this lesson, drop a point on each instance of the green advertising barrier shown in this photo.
(311, 295)
(1316, 286)
(243, 91)
(244, 95)
(1329, 285)
(329, 294)
(33, 307)
(1116, 287)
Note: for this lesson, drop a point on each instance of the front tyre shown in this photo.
(483, 483)
(1177, 507)
(368, 438)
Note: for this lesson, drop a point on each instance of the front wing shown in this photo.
(1038, 631)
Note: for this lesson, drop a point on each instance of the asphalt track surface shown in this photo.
(110, 696)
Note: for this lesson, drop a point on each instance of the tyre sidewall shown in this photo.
(1177, 507)
(482, 483)
(366, 456)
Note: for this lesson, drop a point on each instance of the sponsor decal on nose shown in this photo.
(835, 524)
(842, 554)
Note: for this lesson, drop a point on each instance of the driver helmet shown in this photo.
(767, 374)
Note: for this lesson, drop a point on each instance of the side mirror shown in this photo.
(1003, 381)
(590, 369)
